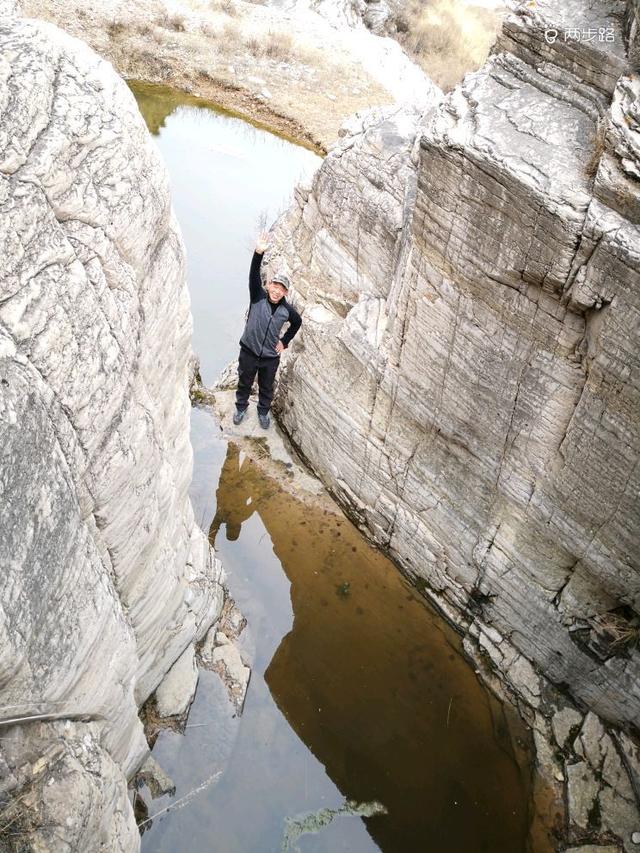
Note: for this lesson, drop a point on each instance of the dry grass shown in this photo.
(617, 629)
(178, 23)
(228, 40)
(276, 44)
(255, 46)
(279, 46)
(229, 7)
(115, 29)
(447, 38)
(175, 22)
(209, 31)
(145, 29)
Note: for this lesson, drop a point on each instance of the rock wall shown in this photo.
(468, 379)
(106, 579)
(377, 15)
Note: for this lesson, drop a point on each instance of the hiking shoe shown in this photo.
(238, 415)
(264, 421)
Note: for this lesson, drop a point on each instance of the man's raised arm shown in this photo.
(255, 282)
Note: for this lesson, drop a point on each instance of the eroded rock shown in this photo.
(222, 655)
(563, 723)
(105, 576)
(154, 777)
(178, 687)
(466, 384)
(470, 303)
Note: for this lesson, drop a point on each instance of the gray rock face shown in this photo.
(105, 578)
(468, 382)
(377, 15)
(178, 687)
(68, 793)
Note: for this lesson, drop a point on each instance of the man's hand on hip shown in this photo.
(280, 347)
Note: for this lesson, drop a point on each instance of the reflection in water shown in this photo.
(376, 687)
(234, 502)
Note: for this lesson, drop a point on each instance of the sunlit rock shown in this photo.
(106, 579)
(466, 382)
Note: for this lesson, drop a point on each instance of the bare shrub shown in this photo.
(227, 40)
(208, 30)
(178, 23)
(115, 29)
(231, 31)
(229, 7)
(255, 46)
(175, 22)
(279, 45)
(447, 37)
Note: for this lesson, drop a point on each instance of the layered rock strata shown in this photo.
(468, 380)
(106, 579)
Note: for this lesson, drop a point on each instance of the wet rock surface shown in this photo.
(177, 689)
(224, 652)
(154, 777)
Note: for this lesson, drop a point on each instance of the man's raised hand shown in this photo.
(262, 243)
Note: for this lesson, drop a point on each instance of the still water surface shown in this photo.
(358, 690)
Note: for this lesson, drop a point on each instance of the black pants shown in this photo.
(266, 368)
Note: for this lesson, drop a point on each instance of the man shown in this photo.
(260, 344)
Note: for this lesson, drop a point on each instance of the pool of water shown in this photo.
(359, 692)
(228, 180)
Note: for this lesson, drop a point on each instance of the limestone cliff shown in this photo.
(106, 579)
(468, 379)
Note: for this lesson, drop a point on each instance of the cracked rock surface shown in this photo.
(106, 579)
(467, 382)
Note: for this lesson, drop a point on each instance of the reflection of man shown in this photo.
(234, 501)
(260, 344)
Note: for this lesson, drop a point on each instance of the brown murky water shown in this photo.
(359, 692)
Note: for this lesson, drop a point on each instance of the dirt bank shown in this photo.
(294, 72)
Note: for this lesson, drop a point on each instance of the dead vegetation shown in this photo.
(115, 29)
(227, 7)
(618, 629)
(276, 44)
(279, 46)
(177, 22)
(447, 38)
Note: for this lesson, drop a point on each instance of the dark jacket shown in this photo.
(265, 320)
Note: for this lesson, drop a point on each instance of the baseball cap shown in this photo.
(281, 278)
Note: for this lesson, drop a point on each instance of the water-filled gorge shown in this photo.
(358, 690)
